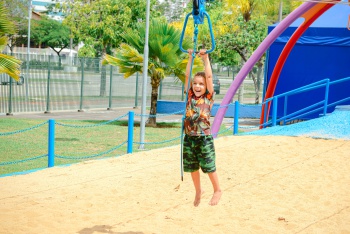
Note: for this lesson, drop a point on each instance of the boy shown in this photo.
(198, 146)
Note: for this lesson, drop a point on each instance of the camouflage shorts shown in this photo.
(199, 151)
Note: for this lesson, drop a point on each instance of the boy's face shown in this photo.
(199, 85)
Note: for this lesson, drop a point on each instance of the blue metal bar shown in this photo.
(235, 126)
(183, 33)
(51, 145)
(285, 108)
(274, 111)
(305, 114)
(339, 101)
(305, 88)
(326, 98)
(130, 132)
(265, 111)
(305, 109)
(197, 21)
(340, 80)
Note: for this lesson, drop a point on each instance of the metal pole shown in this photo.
(144, 83)
(48, 88)
(160, 90)
(110, 89)
(51, 144)
(280, 11)
(82, 61)
(137, 90)
(130, 132)
(274, 111)
(236, 117)
(28, 45)
(10, 97)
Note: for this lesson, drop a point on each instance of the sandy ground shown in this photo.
(270, 185)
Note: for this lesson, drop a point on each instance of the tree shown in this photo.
(165, 57)
(99, 24)
(52, 34)
(17, 13)
(8, 64)
(243, 33)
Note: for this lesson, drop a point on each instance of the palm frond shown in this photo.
(164, 51)
(6, 26)
(3, 42)
(181, 66)
(127, 58)
(10, 65)
(134, 39)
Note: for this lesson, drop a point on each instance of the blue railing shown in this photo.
(53, 136)
(129, 142)
(317, 107)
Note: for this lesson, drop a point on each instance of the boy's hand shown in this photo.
(190, 52)
(203, 54)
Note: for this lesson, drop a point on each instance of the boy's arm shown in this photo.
(188, 68)
(207, 70)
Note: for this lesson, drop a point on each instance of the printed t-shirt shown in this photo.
(198, 109)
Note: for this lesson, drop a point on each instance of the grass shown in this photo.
(76, 141)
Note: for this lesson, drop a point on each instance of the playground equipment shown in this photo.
(310, 11)
(320, 53)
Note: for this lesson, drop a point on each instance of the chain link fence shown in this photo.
(51, 83)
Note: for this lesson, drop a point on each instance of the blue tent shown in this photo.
(323, 51)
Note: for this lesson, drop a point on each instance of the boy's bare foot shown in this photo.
(197, 199)
(216, 198)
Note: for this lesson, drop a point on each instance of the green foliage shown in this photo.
(165, 56)
(8, 64)
(243, 41)
(51, 33)
(100, 23)
(87, 52)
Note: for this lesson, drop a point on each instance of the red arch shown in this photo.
(310, 16)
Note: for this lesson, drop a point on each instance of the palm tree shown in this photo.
(8, 64)
(165, 57)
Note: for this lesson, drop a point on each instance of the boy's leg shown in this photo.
(197, 185)
(217, 191)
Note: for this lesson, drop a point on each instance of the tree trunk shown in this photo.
(256, 87)
(152, 119)
(155, 82)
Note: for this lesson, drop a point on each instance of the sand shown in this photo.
(270, 184)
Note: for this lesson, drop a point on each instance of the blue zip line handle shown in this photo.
(210, 30)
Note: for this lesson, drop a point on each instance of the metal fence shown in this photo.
(51, 83)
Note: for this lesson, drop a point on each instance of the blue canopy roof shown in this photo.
(329, 29)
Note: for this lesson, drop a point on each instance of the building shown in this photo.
(44, 6)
